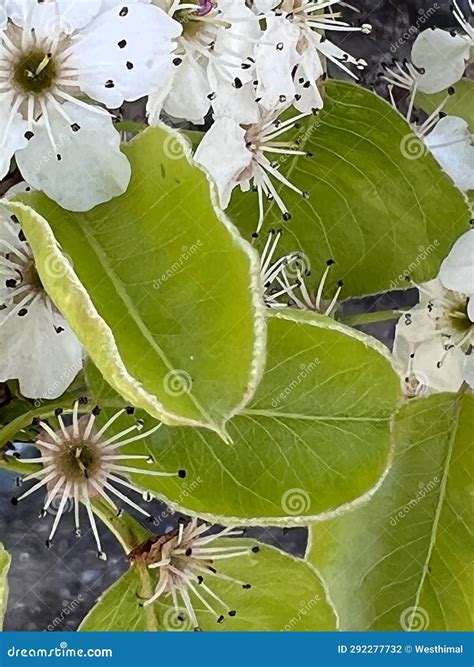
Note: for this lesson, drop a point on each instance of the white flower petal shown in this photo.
(92, 169)
(416, 325)
(125, 53)
(469, 370)
(265, 6)
(451, 144)
(231, 102)
(425, 366)
(276, 56)
(457, 270)
(443, 58)
(44, 362)
(188, 97)
(12, 133)
(222, 152)
(50, 18)
(309, 70)
(470, 307)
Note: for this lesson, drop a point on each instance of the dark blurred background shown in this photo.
(55, 588)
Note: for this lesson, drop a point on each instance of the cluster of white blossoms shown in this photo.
(433, 341)
(65, 65)
(438, 62)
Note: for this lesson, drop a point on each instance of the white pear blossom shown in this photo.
(438, 59)
(440, 56)
(235, 154)
(433, 341)
(212, 62)
(448, 138)
(81, 462)
(286, 280)
(37, 347)
(186, 561)
(288, 57)
(59, 62)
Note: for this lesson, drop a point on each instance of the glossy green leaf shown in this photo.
(158, 286)
(286, 594)
(4, 565)
(314, 437)
(460, 104)
(374, 209)
(404, 560)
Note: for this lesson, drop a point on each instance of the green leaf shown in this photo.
(158, 286)
(286, 594)
(375, 212)
(315, 436)
(460, 104)
(4, 565)
(404, 560)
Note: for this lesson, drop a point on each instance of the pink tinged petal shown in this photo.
(92, 169)
(443, 58)
(12, 133)
(125, 53)
(276, 56)
(451, 144)
(223, 154)
(457, 270)
(44, 362)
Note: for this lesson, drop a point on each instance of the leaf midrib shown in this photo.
(131, 310)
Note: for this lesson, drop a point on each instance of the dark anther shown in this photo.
(177, 61)
(58, 411)
(123, 11)
(246, 586)
(14, 501)
(286, 216)
(96, 411)
(22, 312)
(21, 235)
(129, 410)
(58, 330)
(232, 612)
(75, 127)
(122, 44)
(109, 84)
(220, 619)
(29, 135)
(237, 83)
(255, 550)
(129, 65)
(11, 282)
(182, 474)
(188, 551)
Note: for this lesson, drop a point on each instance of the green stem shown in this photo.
(370, 318)
(147, 591)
